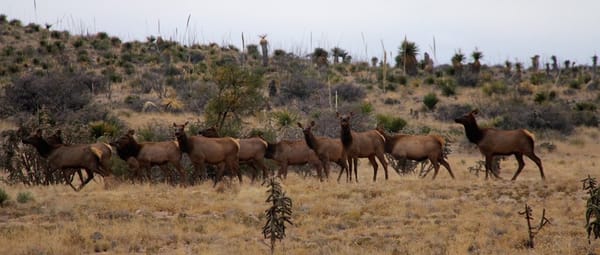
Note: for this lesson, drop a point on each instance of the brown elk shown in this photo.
(141, 157)
(368, 144)
(327, 149)
(252, 151)
(202, 150)
(68, 174)
(292, 152)
(94, 158)
(493, 142)
(418, 148)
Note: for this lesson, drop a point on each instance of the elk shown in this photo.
(327, 149)
(202, 150)
(68, 174)
(94, 158)
(292, 152)
(418, 148)
(141, 157)
(493, 142)
(252, 151)
(369, 144)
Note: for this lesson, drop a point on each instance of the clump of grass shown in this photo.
(24, 197)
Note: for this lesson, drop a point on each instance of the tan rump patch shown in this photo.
(527, 132)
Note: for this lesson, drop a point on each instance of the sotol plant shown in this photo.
(279, 213)
(592, 213)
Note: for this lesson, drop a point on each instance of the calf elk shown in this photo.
(493, 142)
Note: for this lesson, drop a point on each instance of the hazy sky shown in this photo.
(501, 29)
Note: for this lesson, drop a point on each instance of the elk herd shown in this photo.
(226, 153)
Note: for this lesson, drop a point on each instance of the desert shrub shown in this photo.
(496, 87)
(451, 111)
(104, 128)
(155, 131)
(585, 106)
(366, 108)
(349, 92)
(430, 100)
(544, 96)
(537, 78)
(299, 87)
(3, 197)
(585, 118)
(448, 86)
(24, 197)
(390, 123)
(510, 115)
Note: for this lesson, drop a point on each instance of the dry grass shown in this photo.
(404, 215)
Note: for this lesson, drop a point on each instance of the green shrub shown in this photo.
(537, 78)
(497, 87)
(366, 108)
(430, 100)
(24, 197)
(448, 86)
(3, 197)
(103, 128)
(390, 123)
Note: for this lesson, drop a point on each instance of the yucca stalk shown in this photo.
(278, 215)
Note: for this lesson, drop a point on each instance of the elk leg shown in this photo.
(219, 174)
(447, 166)
(235, 166)
(436, 168)
(282, 173)
(181, 172)
(375, 166)
(519, 158)
(383, 162)
(355, 161)
(538, 162)
(265, 170)
(489, 159)
(90, 176)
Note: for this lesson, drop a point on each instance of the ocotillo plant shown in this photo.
(533, 230)
(278, 215)
(592, 214)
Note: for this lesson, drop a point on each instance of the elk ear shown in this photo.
(185, 124)
(299, 125)
(475, 112)
(131, 132)
(174, 124)
(312, 123)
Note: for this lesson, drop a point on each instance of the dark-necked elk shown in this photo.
(252, 151)
(418, 148)
(493, 142)
(141, 157)
(368, 144)
(94, 158)
(206, 150)
(327, 149)
(292, 152)
(68, 174)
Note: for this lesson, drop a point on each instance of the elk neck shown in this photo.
(346, 136)
(311, 140)
(473, 132)
(184, 144)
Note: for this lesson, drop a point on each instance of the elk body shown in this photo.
(141, 157)
(94, 158)
(327, 149)
(418, 148)
(369, 144)
(252, 151)
(493, 142)
(202, 150)
(292, 152)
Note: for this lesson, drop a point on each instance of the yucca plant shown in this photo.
(457, 61)
(554, 63)
(592, 213)
(337, 52)
(319, 57)
(407, 57)
(476, 67)
(535, 63)
(278, 214)
(264, 48)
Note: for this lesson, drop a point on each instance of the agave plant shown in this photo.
(407, 57)
(476, 55)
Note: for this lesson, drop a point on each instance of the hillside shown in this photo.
(96, 87)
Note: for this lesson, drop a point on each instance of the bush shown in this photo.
(390, 123)
(24, 197)
(3, 197)
(448, 87)
(497, 87)
(349, 92)
(450, 112)
(430, 100)
(104, 128)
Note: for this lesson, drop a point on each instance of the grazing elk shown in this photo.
(493, 142)
(202, 150)
(327, 149)
(418, 148)
(141, 157)
(368, 144)
(292, 152)
(252, 151)
(94, 158)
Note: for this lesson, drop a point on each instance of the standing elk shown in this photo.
(418, 148)
(252, 151)
(493, 142)
(292, 152)
(368, 144)
(94, 158)
(327, 149)
(202, 150)
(141, 157)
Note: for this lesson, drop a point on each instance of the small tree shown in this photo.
(278, 215)
(407, 57)
(430, 100)
(592, 214)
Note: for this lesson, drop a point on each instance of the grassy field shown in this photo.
(403, 215)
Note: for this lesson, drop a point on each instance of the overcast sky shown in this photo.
(502, 29)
